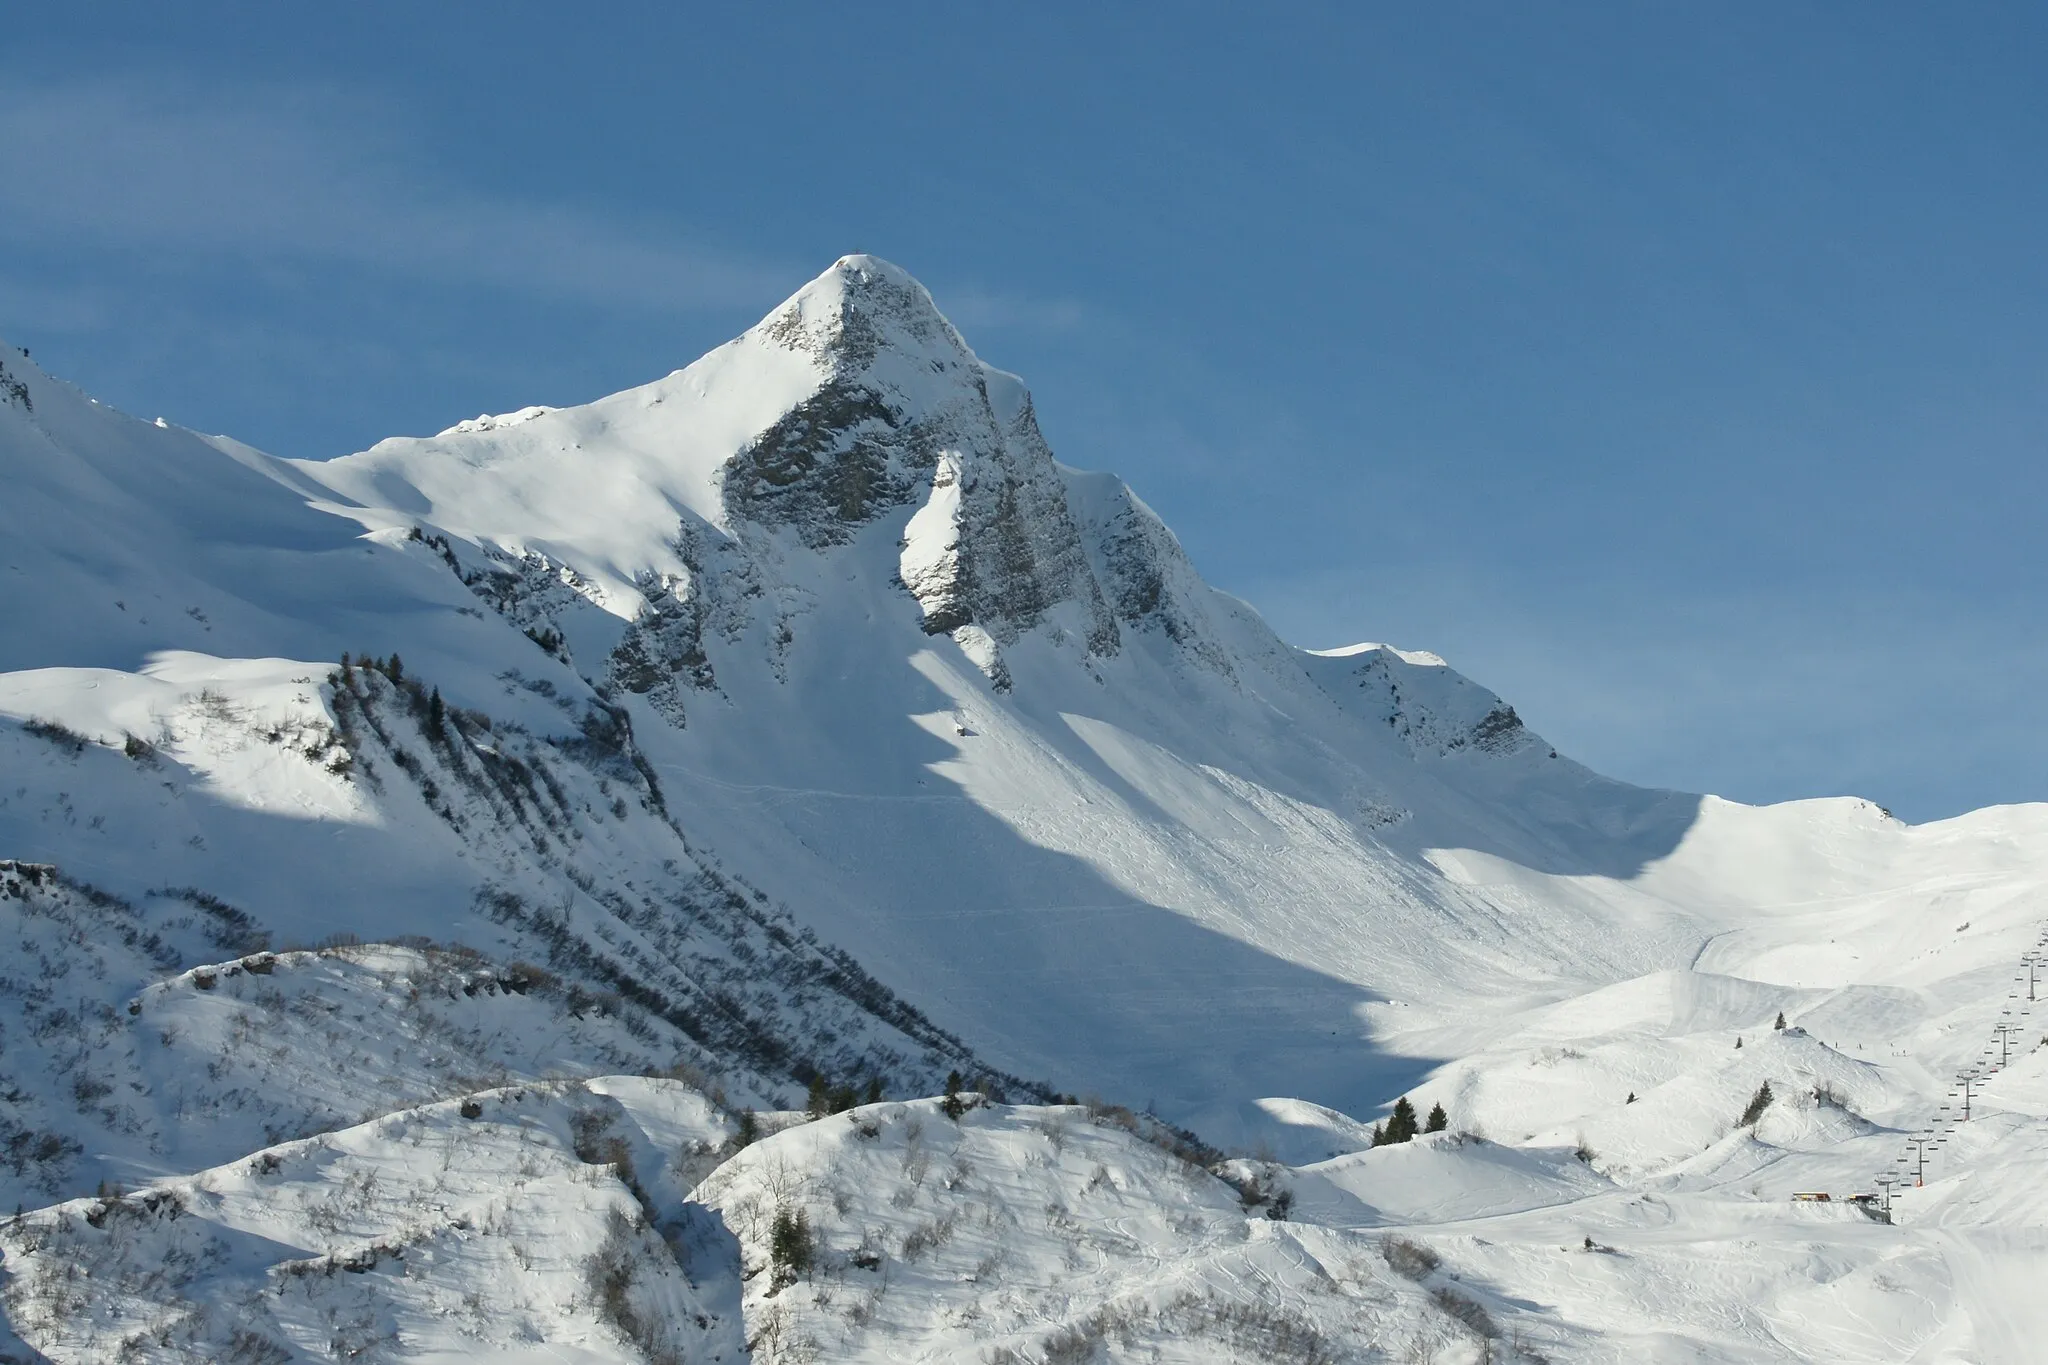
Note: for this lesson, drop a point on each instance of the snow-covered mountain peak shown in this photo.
(795, 723)
(863, 310)
(819, 418)
(1421, 658)
(686, 505)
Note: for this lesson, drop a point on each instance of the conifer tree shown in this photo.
(437, 716)
(1781, 1020)
(1438, 1120)
(1379, 1135)
(1401, 1124)
(791, 1245)
(1758, 1102)
(819, 1102)
(954, 1105)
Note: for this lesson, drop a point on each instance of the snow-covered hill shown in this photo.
(797, 722)
(522, 1224)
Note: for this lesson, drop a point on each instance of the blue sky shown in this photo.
(1677, 371)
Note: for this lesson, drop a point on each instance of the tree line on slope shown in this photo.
(1401, 1124)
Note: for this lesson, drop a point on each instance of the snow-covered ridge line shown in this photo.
(797, 720)
(492, 422)
(1421, 658)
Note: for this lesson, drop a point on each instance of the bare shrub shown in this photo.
(1178, 1143)
(214, 705)
(1409, 1260)
(251, 1348)
(1251, 1330)
(928, 1236)
(861, 1312)
(1074, 1344)
(1466, 1310)
(57, 733)
(611, 1273)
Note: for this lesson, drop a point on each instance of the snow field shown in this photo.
(120, 1067)
(1097, 825)
(515, 1224)
(1019, 1234)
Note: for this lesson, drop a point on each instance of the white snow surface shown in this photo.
(800, 714)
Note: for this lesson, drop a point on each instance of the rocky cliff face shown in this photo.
(1433, 711)
(853, 404)
(905, 413)
(1145, 576)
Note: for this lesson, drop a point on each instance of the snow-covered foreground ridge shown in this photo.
(797, 720)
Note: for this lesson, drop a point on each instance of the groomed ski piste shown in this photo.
(573, 972)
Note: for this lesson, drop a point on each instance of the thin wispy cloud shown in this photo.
(268, 174)
(972, 308)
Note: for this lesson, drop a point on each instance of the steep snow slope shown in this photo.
(837, 559)
(853, 604)
(970, 714)
(797, 716)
